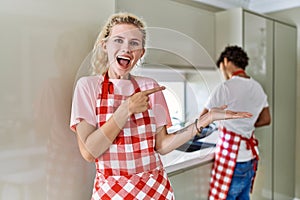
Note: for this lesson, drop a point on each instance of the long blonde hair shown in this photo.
(99, 59)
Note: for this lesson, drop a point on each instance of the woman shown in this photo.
(120, 120)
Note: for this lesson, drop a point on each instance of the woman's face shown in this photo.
(124, 48)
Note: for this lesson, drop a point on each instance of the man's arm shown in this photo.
(264, 118)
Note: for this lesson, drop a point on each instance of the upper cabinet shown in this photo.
(271, 47)
(178, 35)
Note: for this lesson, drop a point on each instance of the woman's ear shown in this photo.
(143, 52)
(103, 45)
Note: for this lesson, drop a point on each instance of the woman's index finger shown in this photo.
(153, 90)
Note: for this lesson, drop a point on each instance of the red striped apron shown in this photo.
(130, 168)
(225, 161)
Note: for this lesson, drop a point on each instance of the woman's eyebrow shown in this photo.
(121, 37)
(136, 39)
(117, 36)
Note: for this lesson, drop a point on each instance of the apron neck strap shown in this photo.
(108, 86)
(240, 71)
(135, 84)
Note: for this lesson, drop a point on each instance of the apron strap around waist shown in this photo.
(251, 143)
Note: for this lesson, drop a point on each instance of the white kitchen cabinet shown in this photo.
(271, 47)
(191, 26)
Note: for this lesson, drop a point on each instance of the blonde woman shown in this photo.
(120, 120)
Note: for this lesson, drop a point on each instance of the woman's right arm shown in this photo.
(92, 141)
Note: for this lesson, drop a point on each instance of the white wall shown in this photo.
(293, 16)
(42, 45)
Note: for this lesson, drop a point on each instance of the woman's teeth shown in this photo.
(123, 61)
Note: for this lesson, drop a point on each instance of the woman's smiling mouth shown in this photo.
(123, 61)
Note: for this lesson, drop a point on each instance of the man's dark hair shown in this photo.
(234, 54)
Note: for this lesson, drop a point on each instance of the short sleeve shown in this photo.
(160, 108)
(217, 97)
(161, 111)
(83, 103)
(157, 101)
(266, 104)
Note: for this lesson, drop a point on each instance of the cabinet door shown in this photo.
(284, 110)
(194, 22)
(258, 43)
(192, 184)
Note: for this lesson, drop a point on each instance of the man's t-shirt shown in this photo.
(244, 95)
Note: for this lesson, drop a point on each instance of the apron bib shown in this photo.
(130, 168)
(225, 161)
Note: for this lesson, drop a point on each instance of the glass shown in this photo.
(258, 43)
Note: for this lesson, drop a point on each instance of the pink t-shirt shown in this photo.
(88, 88)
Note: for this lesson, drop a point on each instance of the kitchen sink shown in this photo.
(191, 146)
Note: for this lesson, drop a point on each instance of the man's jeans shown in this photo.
(242, 180)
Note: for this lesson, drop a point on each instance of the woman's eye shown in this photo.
(118, 40)
(134, 43)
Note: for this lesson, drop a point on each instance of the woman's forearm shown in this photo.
(94, 142)
(168, 142)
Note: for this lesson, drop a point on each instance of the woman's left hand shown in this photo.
(219, 113)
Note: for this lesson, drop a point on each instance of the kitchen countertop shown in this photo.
(177, 161)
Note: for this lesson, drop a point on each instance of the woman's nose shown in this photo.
(125, 50)
(126, 47)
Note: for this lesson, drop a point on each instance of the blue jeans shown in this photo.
(242, 180)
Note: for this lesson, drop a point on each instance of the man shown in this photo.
(236, 155)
